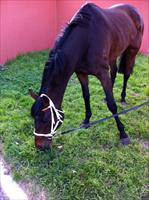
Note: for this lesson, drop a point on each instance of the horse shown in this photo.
(90, 44)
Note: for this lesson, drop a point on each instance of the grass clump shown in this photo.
(91, 163)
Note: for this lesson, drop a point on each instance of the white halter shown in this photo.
(53, 123)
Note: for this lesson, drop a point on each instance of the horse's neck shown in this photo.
(56, 93)
(73, 50)
(73, 55)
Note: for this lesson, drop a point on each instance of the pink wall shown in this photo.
(26, 25)
(32, 25)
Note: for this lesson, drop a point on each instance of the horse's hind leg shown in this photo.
(113, 71)
(83, 78)
(123, 93)
(107, 86)
(126, 65)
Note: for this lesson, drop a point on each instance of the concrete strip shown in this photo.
(10, 188)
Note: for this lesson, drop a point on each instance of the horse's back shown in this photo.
(118, 9)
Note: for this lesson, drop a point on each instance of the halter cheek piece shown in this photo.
(54, 124)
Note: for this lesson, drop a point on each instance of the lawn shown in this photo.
(89, 164)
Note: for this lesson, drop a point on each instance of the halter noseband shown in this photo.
(54, 124)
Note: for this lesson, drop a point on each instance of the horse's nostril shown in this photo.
(39, 147)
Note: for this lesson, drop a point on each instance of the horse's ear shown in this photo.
(33, 94)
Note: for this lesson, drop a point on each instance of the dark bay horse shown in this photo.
(89, 45)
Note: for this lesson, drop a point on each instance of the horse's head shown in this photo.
(46, 119)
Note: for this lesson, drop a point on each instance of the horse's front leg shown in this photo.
(83, 78)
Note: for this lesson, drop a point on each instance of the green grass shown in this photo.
(91, 164)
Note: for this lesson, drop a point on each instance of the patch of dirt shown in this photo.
(145, 144)
(32, 189)
(145, 196)
(2, 195)
(135, 94)
(6, 165)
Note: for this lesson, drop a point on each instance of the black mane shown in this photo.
(81, 18)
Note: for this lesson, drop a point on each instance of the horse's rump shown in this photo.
(115, 29)
(127, 59)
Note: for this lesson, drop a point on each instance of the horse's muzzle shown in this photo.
(43, 143)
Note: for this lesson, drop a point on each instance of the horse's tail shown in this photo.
(127, 60)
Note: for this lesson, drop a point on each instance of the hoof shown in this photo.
(125, 141)
(85, 125)
(123, 103)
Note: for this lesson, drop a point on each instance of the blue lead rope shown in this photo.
(104, 119)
